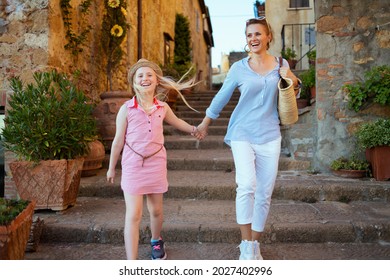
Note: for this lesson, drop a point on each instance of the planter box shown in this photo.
(52, 184)
(345, 173)
(379, 157)
(14, 237)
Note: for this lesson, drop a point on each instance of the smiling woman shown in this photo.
(256, 77)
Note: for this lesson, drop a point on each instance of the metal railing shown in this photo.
(301, 38)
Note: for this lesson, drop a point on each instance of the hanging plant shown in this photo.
(114, 30)
(75, 40)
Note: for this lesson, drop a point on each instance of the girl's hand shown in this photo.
(110, 176)
(202, 131)
(198, 134)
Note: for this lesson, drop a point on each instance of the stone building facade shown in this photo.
(32, 37)
(352, 37)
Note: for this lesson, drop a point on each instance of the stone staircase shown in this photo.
(199, 206)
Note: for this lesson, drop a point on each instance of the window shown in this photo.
(299, 4)
(310, 36)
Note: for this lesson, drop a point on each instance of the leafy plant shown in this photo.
(182, 51)
(75, 40)
(349, 164)
(311, 55)
(308, 78)
(374, 89)
(114, 29)
(288, 53)
(373, 134)
(10, 209)
(49, 119)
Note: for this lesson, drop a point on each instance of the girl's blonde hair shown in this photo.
(165, 84)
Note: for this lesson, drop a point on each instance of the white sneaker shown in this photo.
(256, 251)
(246, 250)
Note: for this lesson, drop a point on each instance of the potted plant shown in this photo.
(304, 99)
(290, 55)
(311, 56)
(374, 139)
(49, 126)
(308, 78)
(375, 88)
(15, 223)
(114, 29)
(113, 34)
(350, 168)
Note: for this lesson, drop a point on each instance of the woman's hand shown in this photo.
(203, 127)
(285, 72)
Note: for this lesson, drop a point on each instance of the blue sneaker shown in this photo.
(158, 250)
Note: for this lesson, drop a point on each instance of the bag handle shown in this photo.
(284, 83)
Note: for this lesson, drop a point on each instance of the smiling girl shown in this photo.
(139, 136)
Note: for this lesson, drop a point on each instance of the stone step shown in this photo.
(217, 122)
(208, 95)
(220, 185)
(191, 114)
(206, 103)
(201, 108)
(213, 130)
(187, 142)
(100, 220)
(211, 159)
(220, 251)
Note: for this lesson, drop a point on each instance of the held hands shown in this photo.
(202, 131)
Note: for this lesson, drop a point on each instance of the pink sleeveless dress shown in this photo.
(144, 158)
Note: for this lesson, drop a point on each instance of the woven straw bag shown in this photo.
(287, 103)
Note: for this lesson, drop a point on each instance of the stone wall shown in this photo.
(348, 44)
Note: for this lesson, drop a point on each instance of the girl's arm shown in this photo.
(179, 124)
(118, 142)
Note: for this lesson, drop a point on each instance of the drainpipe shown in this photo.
(139, 29)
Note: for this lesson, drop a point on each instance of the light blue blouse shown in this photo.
(255, 118)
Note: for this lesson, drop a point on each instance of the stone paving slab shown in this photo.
(101, 220)
(215, 251)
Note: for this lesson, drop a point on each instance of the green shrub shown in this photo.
(288, 53)
(308, 78)
(49, 119)
(349, 164)
(374, 89)
(10, 209)
(374, 134)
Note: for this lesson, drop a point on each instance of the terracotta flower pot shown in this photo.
(302, 103)
(105, 113)
(14, 237)
(379, 157)
(345, 173)
(52, 184)
(94, 160)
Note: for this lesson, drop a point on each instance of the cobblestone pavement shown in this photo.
(216, 251)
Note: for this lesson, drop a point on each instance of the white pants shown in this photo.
(256, 171)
